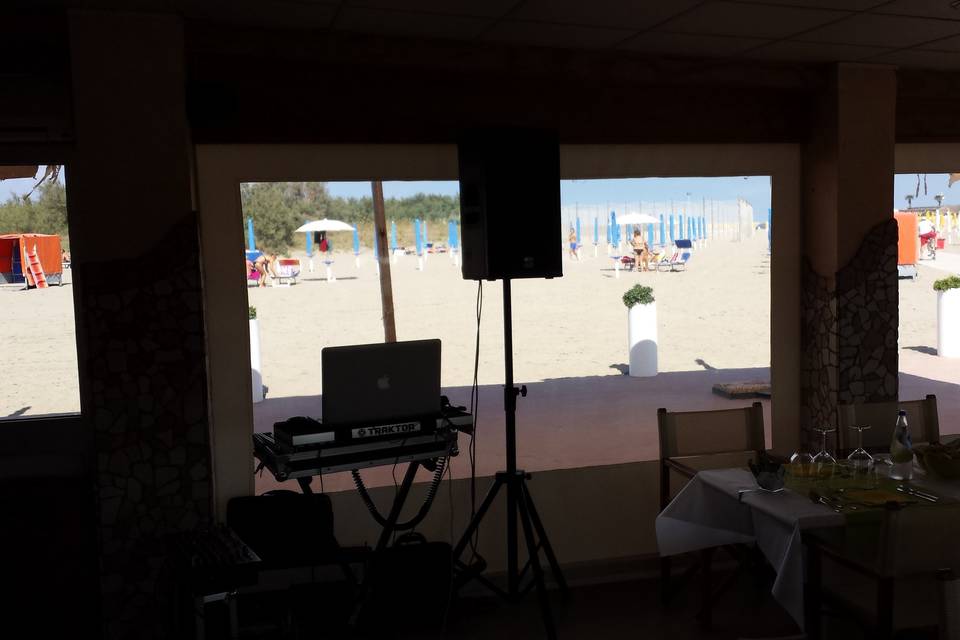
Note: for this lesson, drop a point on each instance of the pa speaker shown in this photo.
(510, 204)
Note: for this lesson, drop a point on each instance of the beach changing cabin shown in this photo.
(13, 257)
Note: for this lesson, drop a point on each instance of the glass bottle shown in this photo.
(901, 450)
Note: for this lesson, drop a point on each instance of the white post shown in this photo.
(642, 339)
(420, 263)
(616, 267)
(256, 377)
(330, 277)
(948, 323)
(311, 264)
(357, 260)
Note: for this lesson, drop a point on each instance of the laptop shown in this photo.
(381, 389)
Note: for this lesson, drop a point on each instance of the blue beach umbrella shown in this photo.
(578, 232)
(393, 235)
(673, 235)
(649, 235)
(596, 230)
(309, 245)
(418, 238)
(250, 238)
(423, 232)
(356, 242)
(663, 234)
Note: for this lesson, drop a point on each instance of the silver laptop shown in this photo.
(380, 384)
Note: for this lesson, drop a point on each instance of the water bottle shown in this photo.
(901, 450)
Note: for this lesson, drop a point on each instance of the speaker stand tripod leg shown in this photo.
(544, 541)
(475, 522)
(534, 557)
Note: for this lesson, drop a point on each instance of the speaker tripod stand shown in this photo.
(519, 504)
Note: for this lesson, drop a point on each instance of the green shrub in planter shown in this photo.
(945, 284)
(638, 294)
(252, 313)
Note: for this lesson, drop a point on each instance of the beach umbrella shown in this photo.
(309, 237)
(423, 224)
(649, 235)
(578, 232)
(596, 230)
(636, 218)
(680, 226)
(673, 235)
(451, 235)
(663, 234)
(324, 225)
(356, 242)
(393, 235)
(250, 238)
(418, 238)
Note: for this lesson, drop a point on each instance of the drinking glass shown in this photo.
(801, 463)
(859, 458)
(824, 456)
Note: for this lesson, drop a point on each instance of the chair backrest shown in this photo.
(701, 433)
(882, 418)
(685, 256)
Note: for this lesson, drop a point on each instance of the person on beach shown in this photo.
(641, 252)
(572, 237)
(928, 233)
(265, 264)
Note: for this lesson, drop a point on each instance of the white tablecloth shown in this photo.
(706, 513)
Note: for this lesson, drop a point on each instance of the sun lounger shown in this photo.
(288, 269)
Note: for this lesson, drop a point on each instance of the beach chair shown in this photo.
(667, 259)
(288, 269)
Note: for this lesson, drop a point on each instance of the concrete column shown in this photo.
(850, 300)
(140, 327)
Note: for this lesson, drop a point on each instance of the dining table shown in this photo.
(721, 507)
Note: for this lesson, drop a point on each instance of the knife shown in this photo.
(916, 492)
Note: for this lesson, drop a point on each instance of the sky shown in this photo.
(755, 189)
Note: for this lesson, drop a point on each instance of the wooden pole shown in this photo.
(386, 284)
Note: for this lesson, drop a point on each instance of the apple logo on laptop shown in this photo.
(383, 383)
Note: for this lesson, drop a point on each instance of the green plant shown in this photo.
(945, 284)
(252, 313)
(638, 294)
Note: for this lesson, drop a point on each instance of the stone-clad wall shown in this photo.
(819, 356)
(868, 302)
(849, 331)
(146, 368)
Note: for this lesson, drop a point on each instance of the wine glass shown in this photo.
(859, 458)
(823, 456)
(801, 463)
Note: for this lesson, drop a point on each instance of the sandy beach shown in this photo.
(569, 338)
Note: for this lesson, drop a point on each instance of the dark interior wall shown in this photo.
(253, 86)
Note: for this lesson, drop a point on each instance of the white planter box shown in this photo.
(948, 323)
(256, 377)
(642, 339)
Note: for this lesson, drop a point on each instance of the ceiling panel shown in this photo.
(753, 20)
(304, 15)
(844, 5)
(922, 8)
(790, 50)
(946, 44)
(923, 59)
(682, 44)
(609, 13)
(556, 35)
(883, 31)
(481, 8)
(404, 23)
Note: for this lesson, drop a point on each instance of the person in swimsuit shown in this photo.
(573, 244)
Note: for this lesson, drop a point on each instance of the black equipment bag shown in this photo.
(410, 586)
(286, 528)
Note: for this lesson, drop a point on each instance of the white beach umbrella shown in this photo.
(637, 218)
(324, 225)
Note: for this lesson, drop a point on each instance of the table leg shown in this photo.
(813, 596)
(706, 566)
